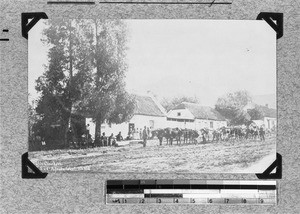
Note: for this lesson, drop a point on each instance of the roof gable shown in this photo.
(201, 112)
(145, 105)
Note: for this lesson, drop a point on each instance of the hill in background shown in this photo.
(266, 99)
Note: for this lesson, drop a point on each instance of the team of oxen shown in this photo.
(205, 135)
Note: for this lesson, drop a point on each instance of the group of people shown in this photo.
(107, 141)
(137, 134)
(252, 131)
(86, 139)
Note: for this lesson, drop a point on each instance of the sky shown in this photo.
(197, 58)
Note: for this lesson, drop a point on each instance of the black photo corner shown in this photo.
(35, 174)
(26, 26)
(269, 17)
(278, 27)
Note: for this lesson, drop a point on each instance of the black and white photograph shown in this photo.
(152, 95)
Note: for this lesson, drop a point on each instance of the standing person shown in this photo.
(103, 139)
(87, 129)
(148, 132)
(119, 137)
(141, 134)
(262, 133)
(111, 139)
(145, 136)
(97, 141)
(160, 135)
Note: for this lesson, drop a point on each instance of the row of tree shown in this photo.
(84, 76)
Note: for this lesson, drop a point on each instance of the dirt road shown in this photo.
(226, 157)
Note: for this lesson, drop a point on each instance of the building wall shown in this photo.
(180, 115)
(270, 122)
(196, 124)
(210, 124)
(180, 124)
(152, 122)
(139, 121)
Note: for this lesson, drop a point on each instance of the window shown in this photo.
(211, 125)
(178, 114)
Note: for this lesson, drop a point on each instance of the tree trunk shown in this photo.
(98, 120)
(98, 128)
(70, 84)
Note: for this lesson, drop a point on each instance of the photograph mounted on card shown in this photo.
(152, 96)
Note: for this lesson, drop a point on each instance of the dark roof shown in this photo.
(146, 106)
(267, 112)
(201, 112)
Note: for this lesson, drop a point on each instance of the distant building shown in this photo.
(269, 115)
(148, 112)
(195, 116)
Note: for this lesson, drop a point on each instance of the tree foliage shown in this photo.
(84, 75)
(106, 98)
(169, 104)
(231, 107)
(255, 113)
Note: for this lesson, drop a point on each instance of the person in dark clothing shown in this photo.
(145, 136)
(141, 134)
(87, 131)
(262, 133)
(97, 141)
(119, 137)
(160, 135)
(103, 139)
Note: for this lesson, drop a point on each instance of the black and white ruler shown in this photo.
(191, 192)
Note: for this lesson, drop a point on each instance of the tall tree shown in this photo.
(107, 98)
(56, 85)
(231, 107)
(84, 76)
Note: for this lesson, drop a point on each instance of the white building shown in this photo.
(269, 115)
(148, 112)
(194, 116)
